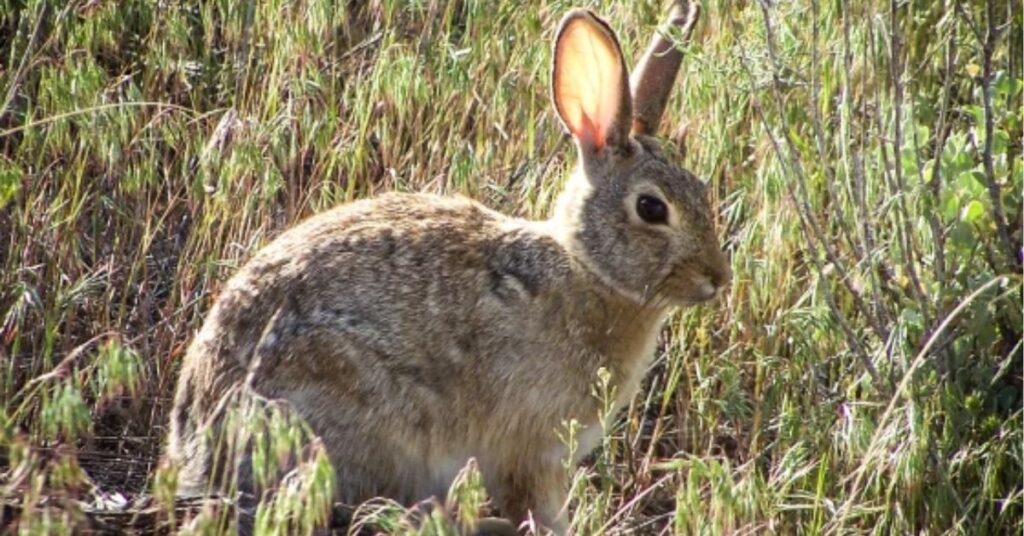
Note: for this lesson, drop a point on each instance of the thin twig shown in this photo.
(817, 122)
(935, 185)
(879, 273)
(907, 243)
(965, 15)
(988, 49)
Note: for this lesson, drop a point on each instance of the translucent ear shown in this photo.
(589, 84)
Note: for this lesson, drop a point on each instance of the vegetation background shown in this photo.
(863, 375)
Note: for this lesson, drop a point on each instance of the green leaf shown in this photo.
(10, 183)
(1000, 141)
(1002, 84)
(1015, 86)
(977, 112)
(912, 318)
(973, 211)
(961, 235)
(956, 156)
(908, 159)
(923, 134)
(971, 183)
(951, 207)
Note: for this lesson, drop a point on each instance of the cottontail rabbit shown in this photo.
(413, 332)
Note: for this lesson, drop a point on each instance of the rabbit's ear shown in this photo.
(589, 83)
(655, 74)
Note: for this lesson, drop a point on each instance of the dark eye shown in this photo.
(651, 209)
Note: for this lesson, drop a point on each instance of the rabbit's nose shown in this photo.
(721, 272)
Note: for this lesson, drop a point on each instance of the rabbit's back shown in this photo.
(412, 280)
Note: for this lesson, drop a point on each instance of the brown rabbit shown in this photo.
(413, 332)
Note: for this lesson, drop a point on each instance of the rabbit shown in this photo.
(413, 332)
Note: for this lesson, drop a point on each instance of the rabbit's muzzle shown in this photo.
(696, 280)
(719, 271)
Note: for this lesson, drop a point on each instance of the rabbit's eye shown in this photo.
(651, 209)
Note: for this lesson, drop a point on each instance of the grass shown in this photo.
(862, 376)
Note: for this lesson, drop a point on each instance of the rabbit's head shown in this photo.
(638, 221)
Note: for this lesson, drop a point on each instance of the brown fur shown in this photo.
(413, 332)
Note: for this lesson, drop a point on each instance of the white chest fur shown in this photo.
(626, 388)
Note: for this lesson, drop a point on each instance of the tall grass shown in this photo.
(863, 375)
